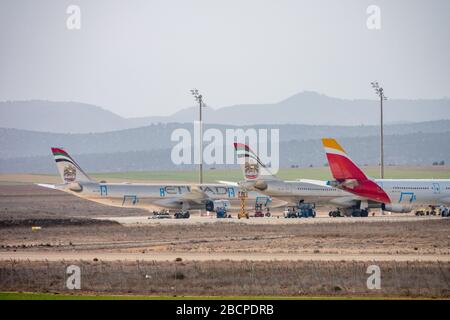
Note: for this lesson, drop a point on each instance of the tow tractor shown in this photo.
(445, 212)
(221, 208)
(302, 210)
(261, 203)
(433, 211)
(163, 214)
(427, 212)
(307, 210)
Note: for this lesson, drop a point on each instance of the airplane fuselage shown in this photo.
(416, 192)
(317, 192)
(158, 196)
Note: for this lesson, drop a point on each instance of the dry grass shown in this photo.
(407, 279)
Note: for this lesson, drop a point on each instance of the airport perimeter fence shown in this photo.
(231, 278)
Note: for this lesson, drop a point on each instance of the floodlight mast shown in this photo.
(199, 98)
(380, 93)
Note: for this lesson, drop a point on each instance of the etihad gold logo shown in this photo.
(70, 173)
(251, 170)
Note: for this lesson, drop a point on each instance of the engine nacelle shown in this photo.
(75, 186)
(398, 208)
(348, 183)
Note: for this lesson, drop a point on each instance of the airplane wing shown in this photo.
(320, 183)
(229, 183)
(44, 185)
(193, 198)
(195, 195)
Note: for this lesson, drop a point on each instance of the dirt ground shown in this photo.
(31, 201)
(417, 246)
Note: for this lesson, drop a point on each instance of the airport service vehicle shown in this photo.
(444, 211)
(221, 208)
(295, 193)
(174, 197)
(303, 210)
(395, 195)
(261, 208)
(163, 214)
(307, 210)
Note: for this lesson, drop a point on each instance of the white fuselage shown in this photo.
(309, 191)
(158, 196)
(408, 192)
(416, 192)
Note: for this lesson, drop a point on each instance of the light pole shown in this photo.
(199, 98)
(380, 92)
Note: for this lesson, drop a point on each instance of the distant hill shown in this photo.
(308, 108)
(22, 143)
(407, 149)
(67, 117)
(317, 109)
(149, 148)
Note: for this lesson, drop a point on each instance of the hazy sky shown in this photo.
(140, 58)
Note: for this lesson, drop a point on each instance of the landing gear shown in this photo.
(291, 213)
(182, 215)
(350, 212)
(335, 213)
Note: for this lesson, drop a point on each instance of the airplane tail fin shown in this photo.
(349, 177)
(69, 170)
(341, 166)
(252, 167)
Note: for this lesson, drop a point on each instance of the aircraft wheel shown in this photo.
(356, 213)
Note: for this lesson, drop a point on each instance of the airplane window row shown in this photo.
(411, 188)
(313, 189)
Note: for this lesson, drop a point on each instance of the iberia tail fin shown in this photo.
(341, 166)
(349, 177)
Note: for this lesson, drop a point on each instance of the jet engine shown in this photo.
(75, 186)
(399, 208)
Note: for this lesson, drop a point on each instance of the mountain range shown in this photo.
(309, 108)
(149, 148)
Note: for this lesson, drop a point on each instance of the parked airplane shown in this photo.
(395, 195)
(258, 177)
(177, 197)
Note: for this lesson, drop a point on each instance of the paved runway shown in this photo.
(142, 220)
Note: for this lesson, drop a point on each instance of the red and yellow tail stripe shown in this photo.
(343, 168)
